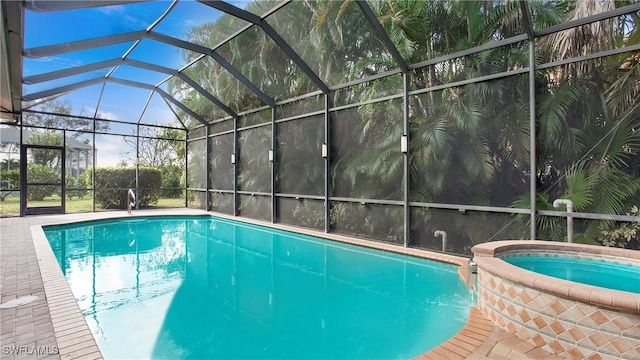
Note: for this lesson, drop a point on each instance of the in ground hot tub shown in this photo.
(564, 311)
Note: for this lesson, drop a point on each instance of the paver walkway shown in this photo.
(27, 330)
(55, 329)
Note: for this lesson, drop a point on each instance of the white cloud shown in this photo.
(111, 149)
(107, 115)
(111, 10)
(126, 19)
(158, 116)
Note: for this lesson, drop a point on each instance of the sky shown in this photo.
(118, 102)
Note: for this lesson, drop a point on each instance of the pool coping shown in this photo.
(72, 334)
(71, 331)
(486, 258)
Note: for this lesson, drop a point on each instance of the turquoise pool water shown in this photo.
(203, 287)
(587, 271)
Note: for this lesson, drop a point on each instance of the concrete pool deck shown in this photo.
(52, 327)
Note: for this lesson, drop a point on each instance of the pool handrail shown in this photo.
(472, 269)
(131, 198)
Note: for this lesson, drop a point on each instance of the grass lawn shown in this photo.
(11, 206)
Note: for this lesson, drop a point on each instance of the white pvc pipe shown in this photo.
(569, 204)
(444, 238)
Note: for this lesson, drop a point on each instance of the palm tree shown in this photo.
(588, 120)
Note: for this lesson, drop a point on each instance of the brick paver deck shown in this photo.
(27, 327)
(479, 339)
(52, 326)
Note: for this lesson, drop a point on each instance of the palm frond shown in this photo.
(624, 140)
(616, 190)
(504, 19)
(579, 186)
(548, 13)
(475, 156)
(552, 119)
(466, 114)
(625, 90)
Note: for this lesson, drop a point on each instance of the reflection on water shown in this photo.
(189, 287)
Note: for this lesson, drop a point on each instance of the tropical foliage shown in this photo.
(468, 143)
(625, 235)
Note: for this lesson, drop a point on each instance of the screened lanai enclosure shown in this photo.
(430, 124)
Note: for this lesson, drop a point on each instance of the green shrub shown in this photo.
(37, 173)
(112, 184)
(171, 178)
(75, 186)
(9, 182)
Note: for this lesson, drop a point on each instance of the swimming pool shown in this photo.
(587, 271)
(204, 287)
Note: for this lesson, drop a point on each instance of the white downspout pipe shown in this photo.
(444, 238)
(569, 204)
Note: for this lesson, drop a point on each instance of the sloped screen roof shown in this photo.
(205, 60)
(113, 59)
(155, 62)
